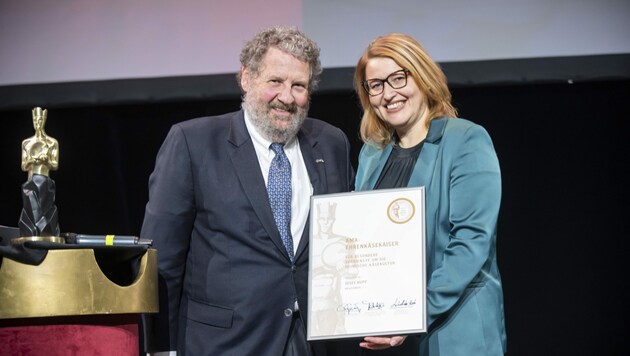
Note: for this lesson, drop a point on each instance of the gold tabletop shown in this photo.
(70, 282)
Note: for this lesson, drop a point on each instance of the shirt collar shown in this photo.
(260, 141)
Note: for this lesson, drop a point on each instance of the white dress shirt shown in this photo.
(301, 188)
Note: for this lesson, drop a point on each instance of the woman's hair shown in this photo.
(287, 39)
(410, 55)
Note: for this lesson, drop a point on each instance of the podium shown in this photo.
(75, 303)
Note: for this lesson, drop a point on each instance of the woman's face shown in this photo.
(402, 108)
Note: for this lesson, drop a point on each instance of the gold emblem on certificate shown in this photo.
(401, 210)
(367, 264)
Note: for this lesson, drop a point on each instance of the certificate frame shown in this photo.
(367, 264)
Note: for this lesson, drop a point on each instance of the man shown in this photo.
(235, 286)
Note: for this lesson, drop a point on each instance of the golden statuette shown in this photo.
(40, 155)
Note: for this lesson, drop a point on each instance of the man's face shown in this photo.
(277, 99)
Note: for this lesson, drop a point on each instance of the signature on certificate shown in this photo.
(374, 305)
(349, 308)
(357, 308)
(403, 303)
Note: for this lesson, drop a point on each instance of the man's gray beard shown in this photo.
(259, 115)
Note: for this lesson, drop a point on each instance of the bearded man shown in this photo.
(228, 209)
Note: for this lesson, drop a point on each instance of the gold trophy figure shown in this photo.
(40, 155)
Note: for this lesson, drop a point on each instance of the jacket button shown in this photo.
(293, 269)
(288, 312)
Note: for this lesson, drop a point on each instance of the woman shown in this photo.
(413, 138)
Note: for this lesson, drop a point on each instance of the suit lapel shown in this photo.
(316, 168)
(314, 161)
(247, 169)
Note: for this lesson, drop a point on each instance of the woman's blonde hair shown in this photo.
(410, 55)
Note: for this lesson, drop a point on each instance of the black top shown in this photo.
(398, 167)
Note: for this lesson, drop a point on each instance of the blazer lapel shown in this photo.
(247, 168)
(423, 171)
(375, 167)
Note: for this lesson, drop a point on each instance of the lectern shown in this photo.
(77, 301)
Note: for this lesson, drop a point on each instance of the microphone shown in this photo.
(107, 240)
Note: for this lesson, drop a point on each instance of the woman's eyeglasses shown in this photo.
(396, 80)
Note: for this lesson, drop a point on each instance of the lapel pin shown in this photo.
(319, 160)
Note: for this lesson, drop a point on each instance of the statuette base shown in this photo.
(21, 240)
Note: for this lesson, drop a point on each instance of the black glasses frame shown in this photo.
(366, 83)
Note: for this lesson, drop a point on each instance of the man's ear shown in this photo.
(245, 79)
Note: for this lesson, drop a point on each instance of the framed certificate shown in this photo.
(367, 264)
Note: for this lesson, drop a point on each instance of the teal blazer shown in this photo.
(460, 171)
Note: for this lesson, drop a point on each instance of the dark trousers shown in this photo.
(296, 343)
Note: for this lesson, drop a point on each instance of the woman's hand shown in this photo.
(381, 342)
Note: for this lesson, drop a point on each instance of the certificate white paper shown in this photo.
(367, 264)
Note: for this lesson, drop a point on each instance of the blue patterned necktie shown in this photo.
(279, 189)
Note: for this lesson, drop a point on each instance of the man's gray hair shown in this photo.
(287, 39)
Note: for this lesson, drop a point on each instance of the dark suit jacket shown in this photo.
(229, 279)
